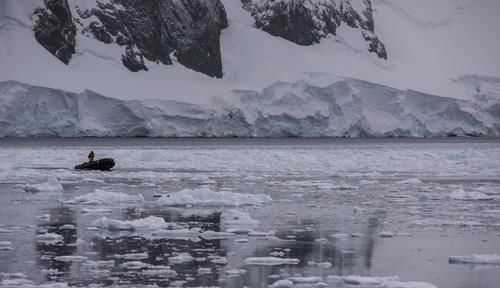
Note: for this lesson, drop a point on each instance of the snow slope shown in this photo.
(323, 105)
(428, 43)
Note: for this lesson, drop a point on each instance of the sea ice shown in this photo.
(52, 185)
(70, 258)
(143, 224)
(207, 197)
(180, 258)
(132, 256)
(49, 237)
(461, 194)
(271, 261)
(411, 181)
(492, 259)
(101, 197)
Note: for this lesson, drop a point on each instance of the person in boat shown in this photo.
(91, 156)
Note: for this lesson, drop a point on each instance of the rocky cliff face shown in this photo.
(306, 22)
(55, 30)
(152, 30)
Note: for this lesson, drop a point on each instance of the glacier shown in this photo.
(321, 105)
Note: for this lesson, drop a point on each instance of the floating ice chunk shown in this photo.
(92, 180)
(306, 280)
(324, 265)
(5, 246)
(159, 271)
(101, 197)
(283, 283)
(203, 179)
(49, 237)
(437, 222)
(219, 260)
(132, 256)
(411, 284)
(235, 271)
(180, 258)
(339, 236)
(386, 234)
(238, 220)
(52, 186)
(213, 235)
(70, 258)
(18, 282)
(368, 182)
(411, 181)
(96, 211)
(99, 264)
(134, 265)
(181, 234)
(362, 280)
(202, 270)
(461, 194)
(207, 197)
(385, 282)
(143, 224)
(492, 259)
(271, 261)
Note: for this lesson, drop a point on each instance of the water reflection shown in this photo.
(61, 221)
(126, 257)
(156, 252)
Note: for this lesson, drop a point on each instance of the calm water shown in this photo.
(332, 199)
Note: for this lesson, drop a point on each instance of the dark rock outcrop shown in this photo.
(306, 22)
(157, 29)
(55, 30)
(153, 30)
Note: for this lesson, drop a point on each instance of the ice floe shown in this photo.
(378, 282)
(386, 234)
(52, 185)
(101, 197)
(461, 194)
(149, 223)
(214, 235)
(49, 238)
(207, 197)
(493, 259)
(234, 220)
(180, 258)
(271, 261)
(411, 181)
(132, 256)
(5, 246)
(70, 258)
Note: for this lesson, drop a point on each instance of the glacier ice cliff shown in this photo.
(322, 105)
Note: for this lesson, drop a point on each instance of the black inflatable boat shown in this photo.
(101, 164)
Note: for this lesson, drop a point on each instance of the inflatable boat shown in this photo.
(101, 164)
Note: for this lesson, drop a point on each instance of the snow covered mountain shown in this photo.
(428, 44)
(323, 105)
(182, 67)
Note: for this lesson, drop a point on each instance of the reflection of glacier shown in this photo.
(324, 105)
(62, 221)
(158, 250)
(347, 256)
(351, 256)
